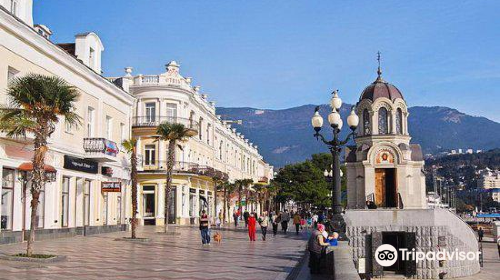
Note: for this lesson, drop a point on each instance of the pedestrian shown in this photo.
(264, 222)
(315, 245)
(251, 226)
(285, 218)
(275, 220)
(246, 215)
(204, 228)
(315, 220)
(221, 217)
(296, 222)
(480, 234)
(235, 217)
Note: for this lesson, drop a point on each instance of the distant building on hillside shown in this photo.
(490, 180)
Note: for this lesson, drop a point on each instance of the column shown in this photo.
(139, 107)
(160, 198)
(162, 153)
(17, 209)
(72, 202)
(393, 122)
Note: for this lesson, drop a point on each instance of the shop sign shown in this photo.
(202, 192)
(192, 190)
(107, 171)
(82, 165)
(111, 149)
(111, 186)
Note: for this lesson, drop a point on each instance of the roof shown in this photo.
(68, 47)
(380, 88)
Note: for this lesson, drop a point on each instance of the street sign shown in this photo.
(111, 187)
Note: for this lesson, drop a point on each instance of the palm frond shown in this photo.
(129, 144)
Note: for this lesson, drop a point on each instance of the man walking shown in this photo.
(264, 222)
(235, 217)
(275, 220)
(480, 234)
(285, 218)
(296, 222)
(204, 224)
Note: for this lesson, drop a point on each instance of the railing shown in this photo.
(100, 146)
(154, 120)
(184, 167)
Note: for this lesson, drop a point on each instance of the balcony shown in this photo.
(100, 149)
(182, 167)
(148, 122)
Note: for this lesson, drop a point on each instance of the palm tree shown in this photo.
(130, 146)
(241, 184)
(218, 180)
(228, 188)
(36, 103)
(173, 133)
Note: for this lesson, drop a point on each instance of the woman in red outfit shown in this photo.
(251, 227)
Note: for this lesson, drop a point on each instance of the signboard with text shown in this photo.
(111, 187)
(79, 164)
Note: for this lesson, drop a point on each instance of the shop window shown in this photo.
(7, 199)
(65, 202)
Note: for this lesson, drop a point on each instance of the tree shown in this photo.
(36, 104)
(131, 147)
(229, 189)
(173, 133)
(241, 185)
(219, 179)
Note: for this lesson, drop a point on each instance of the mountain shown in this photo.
(286, 136)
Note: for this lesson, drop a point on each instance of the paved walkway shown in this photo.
(164, 257)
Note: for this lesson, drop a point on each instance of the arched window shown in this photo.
(399, 121)
(366, 122)
(383, 127)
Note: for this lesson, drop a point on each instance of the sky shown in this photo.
(285, 53)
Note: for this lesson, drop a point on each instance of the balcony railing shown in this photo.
(100, 149)
(153, 121)
(183, 167)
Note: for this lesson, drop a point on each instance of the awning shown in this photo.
(28, 166)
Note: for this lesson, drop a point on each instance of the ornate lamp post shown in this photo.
(335, 147)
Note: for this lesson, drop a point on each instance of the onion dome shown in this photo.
(380, 88)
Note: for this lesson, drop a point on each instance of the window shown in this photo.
(191, 119)
(14, 7)
(123, 133)
(67, 127)
(399, 121)
(150, 112)
(119, 208)
(220, 150)
(366, 122)
(86, 202)
(7, 199)
(109, 127)
(200, 129)
(40, 209)
(149, 155)
(383, 127)
(11, 74)
(90, 122)
(171, 111)
(208, 133)
(65, 202)
(91, 58)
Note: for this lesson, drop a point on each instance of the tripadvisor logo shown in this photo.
(386, 255)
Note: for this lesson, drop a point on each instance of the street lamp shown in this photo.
(335, 147)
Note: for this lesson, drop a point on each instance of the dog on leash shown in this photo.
(218, 237)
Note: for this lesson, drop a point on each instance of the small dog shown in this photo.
(218, 237)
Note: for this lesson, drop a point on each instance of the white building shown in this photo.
(85, 158)
(490, 180)
(216, 148)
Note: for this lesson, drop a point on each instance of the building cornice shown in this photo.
(28, 36)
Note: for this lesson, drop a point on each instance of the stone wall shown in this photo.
(434, 230)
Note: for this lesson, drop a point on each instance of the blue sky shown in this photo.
(279, 54)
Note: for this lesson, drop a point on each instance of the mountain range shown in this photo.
(286, 136)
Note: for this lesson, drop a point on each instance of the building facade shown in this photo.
(489, 180)
(89, 193)
(216, 149)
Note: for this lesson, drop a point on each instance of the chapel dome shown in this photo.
(380, 88)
